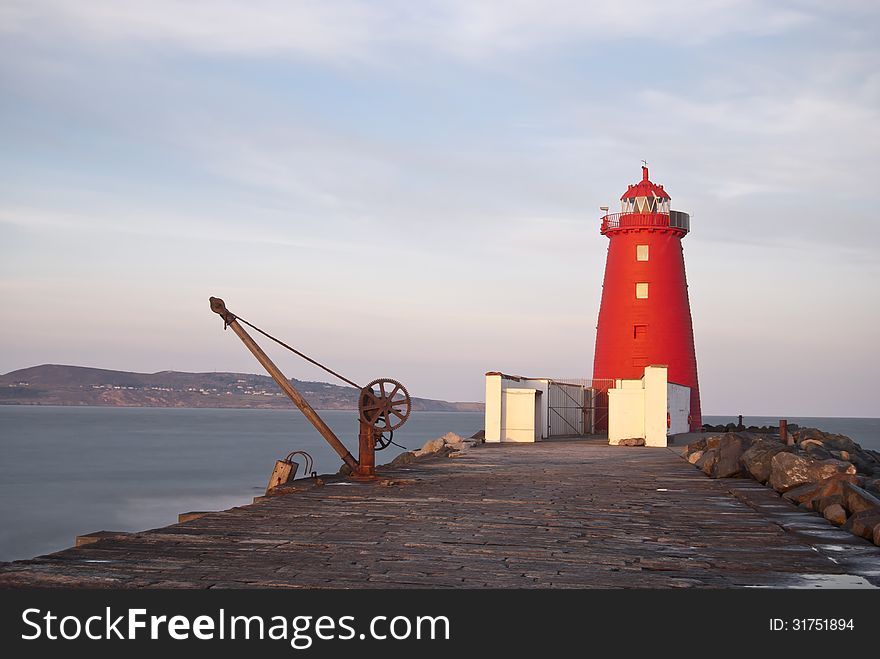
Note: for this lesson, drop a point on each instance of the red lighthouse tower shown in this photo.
(645, 315)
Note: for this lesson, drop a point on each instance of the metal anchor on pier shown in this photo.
(384, 405)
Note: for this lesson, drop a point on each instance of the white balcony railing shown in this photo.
(673, 219)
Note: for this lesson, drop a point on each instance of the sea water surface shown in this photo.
(67, 471)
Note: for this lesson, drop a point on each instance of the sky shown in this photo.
(412, 190)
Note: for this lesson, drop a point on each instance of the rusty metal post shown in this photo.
(783, 433)
(366, 469)
(219, 307)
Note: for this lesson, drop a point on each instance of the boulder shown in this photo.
(817, 451)
(855, 499)
(694, 457)
(756, 459)
(452, 439)
(877, 535)
(715, 441)
(402, 459)
(431, 446)
(819, 504)
(829, 490)
(632, 441)
(872, 485)
(706, 463)
(864, 523)
(863, 461)
(805, 444)
(788, 470)
(834, 484)
(835, 514)
(829, 440)
(458, 450)
(840, 443)
(730, 452)
(722, 455)
(693, 447)
(803, 494)
(480, 436)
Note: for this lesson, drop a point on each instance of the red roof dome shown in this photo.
(645, 188)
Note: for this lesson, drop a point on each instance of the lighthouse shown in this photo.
(645, 315)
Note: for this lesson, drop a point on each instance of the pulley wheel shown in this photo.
(384, 404)
(381, 441)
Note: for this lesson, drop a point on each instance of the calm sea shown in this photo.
(66, 471)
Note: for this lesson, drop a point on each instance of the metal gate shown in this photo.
(568, 407)
(577, 407)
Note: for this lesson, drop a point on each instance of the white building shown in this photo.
(650, 408)
(523, 409)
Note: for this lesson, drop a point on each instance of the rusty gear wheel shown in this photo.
(382, 442)
(384, 404)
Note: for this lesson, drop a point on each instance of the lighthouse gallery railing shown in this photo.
(673, 219)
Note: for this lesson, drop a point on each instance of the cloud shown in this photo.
(345, 29)
(322, 29)
(161, 223)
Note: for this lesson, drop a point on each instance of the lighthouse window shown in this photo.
(642, 290)
(641, 252)
(640, 331)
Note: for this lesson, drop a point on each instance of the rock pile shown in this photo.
(827, 473)
(450, 445)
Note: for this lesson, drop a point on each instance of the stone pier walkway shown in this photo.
(554, 514)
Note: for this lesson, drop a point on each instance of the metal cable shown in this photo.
(295, 351)
(381, 437)
(309, 464)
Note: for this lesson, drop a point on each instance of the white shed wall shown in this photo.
(519, 415)
(655, 405)
(493, 408)
(679, 405)
(639, 408)
(506, 419)
(626, 413)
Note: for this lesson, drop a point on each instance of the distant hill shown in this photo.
(52, 384)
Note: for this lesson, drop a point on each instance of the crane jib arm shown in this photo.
(230, 320)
